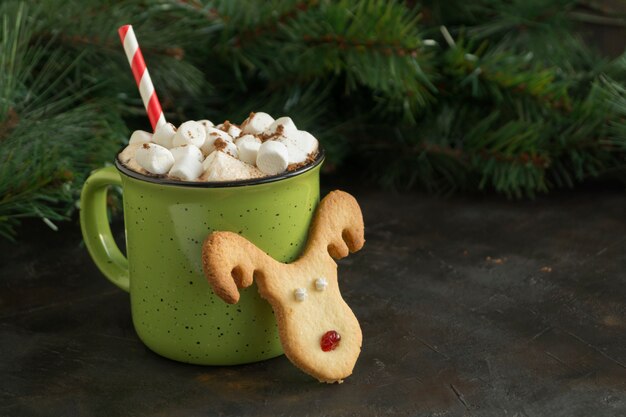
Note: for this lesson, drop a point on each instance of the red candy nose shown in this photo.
(330, 340)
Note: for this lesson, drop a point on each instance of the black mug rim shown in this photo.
(321, 156)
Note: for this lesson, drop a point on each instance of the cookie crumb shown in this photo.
(495, 261)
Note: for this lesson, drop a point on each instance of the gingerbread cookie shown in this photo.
(318, 330)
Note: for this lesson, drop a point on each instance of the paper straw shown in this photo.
(142, 77)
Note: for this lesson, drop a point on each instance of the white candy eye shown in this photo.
(300, 294)
(321, 284)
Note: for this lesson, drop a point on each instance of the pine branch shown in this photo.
(50, 140)
(503, 76)
(509, 100)
(251, 34)
(543, 27)
(333, 39)
(170, 36)
(596, 19)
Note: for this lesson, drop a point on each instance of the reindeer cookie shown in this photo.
(318, 330)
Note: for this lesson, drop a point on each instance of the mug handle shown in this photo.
(94, 224)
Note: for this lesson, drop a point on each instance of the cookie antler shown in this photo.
(337, 226)
(318, 330)
(231, 262)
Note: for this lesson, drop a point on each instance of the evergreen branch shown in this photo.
(38, 177)
(496, 72)
(598, 7)
(544, 28)
(516, 103)
(464, 157)
(254, 33)
(342, 52)
(9, 123)
(79, 41)
(343, 43)
(44, 127)
(244, 18)
(597, 20)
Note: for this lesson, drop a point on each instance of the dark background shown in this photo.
(470, 305)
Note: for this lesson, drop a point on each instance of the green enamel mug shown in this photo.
(174, 311)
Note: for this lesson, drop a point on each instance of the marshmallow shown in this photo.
(307, 142)
(206, 123)
(272, 157)
(289, 127)
(299, 145)
(187, 151)
(154, 158)
(164, 135)
(295, 154)
(190, 133)
(220, 166)
(214, 133)
(181, 151)
(248, 146)
(140, 136)
(257, 123)
(234, 131)
(187, 167)
(227, 147)
(127, 158)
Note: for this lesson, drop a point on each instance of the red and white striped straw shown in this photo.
(142, 77)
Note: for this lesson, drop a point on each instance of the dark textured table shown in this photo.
(469, 306)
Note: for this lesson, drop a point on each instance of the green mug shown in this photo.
(175, 313)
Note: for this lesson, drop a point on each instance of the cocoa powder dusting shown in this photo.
(220, 144)
(280, 129)
(309, 160)
(245, 122)
(225, 126)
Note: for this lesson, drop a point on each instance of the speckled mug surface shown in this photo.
(174, 311)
